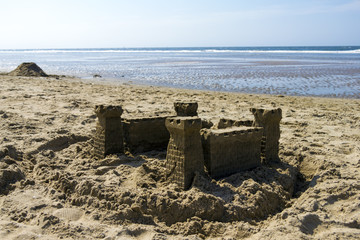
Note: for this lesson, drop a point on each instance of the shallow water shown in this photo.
(314, 71)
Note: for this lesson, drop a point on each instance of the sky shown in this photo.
(177, 23)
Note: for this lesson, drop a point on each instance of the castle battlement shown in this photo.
(186, 108)
(233, 132)
(184, 123)
(108, 111)
(226, 123)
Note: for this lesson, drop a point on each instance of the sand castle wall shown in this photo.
(108, 138)
(226, 123)
(270, 121)
(145, 134)
(230, 150)
(184, 154)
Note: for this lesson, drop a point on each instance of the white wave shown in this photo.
(101, 51)
(357, 51)
(54, 51)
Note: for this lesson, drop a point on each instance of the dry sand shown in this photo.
(51, 187)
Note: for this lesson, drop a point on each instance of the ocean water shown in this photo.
(307, 71)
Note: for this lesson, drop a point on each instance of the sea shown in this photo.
(325, 71)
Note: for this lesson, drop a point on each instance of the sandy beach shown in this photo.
(52, 188)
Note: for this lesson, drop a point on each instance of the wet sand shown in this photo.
(51, 187)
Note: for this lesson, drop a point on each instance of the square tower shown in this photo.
(184, 154)
(269, 119)
(109, 134)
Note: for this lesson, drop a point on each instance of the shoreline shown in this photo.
(61, 191)
(129, 82)
(89, 80)
(123, 82)
(296, 74)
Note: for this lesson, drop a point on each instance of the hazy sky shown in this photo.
(182, 23)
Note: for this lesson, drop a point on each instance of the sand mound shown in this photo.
(28, 70)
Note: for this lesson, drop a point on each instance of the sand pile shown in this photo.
(29, 69)
(51, 187)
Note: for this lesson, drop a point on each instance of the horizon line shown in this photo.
(179, 47)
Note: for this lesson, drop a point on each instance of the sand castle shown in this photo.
(230, 147)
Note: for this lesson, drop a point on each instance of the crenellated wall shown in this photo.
(230, 150)
(226, 123)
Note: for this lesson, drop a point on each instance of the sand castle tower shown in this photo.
(184, 154)
(109, 133)
(186, 109)
(270, 121)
